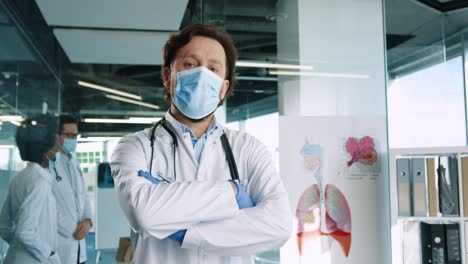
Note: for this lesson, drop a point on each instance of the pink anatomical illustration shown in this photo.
(362, 150)
(321, 210)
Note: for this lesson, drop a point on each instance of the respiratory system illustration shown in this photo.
(322, 210)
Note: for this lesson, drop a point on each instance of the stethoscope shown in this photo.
(57, 177)
(224, 141)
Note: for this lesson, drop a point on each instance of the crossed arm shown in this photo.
(203, 208)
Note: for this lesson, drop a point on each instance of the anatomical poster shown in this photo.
(335, 171)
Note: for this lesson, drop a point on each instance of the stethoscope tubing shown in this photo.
(224, 141)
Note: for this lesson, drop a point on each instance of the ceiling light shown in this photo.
(118, 98)
(16, 123)
(256, 78)
(14, 119)
(108, 90)
(9, 74)
(320, 74)
(94, 139)
(131, 120)
(10, 118)
(259, 64)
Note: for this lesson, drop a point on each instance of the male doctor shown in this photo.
(183, 205)
(73, 206)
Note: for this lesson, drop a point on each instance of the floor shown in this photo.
(108, 256)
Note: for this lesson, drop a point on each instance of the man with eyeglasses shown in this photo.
(73, 206)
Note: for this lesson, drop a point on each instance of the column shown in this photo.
(333, 130)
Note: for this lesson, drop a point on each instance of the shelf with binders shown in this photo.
(427, 192)
(428, 218)
(431, 242)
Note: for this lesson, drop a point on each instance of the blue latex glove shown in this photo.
(178, 236)
(242, 197)
(149, 177)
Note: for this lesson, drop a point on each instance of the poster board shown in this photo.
(348, 223)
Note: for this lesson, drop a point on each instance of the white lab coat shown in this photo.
(73, 206)
(201, 200)
(28, 221)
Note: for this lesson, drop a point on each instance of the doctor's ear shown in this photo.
(166, 76)
(224, 90)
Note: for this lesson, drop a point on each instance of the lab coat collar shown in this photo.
(214, 129)
(68, 156)
(44, 173)
(174, 122)
(65, 160)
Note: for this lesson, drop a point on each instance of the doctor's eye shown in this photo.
(189, 64)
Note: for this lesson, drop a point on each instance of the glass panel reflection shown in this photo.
(27, 90)
(426, 105)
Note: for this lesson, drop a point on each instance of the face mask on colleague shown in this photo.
(69, 145)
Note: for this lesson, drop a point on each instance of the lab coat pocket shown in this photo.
(163, 159)
(65, 227)
(221, 171)
(54, 259)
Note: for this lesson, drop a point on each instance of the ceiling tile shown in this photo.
(112, 46)
(119, 14)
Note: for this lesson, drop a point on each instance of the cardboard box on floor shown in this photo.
(124, 253)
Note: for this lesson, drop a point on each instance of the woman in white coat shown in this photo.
(175, 191)
(28, 220)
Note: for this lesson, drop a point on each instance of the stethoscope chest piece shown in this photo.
(57, 177)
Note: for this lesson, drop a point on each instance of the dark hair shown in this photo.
(179, 39)
(66, 119)
(36, 136)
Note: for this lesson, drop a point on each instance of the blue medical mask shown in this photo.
(69, 145)
(197, 92)
(53, 163)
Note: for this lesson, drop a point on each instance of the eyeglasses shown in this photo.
(70, 135)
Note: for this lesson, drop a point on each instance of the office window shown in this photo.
(426, 108)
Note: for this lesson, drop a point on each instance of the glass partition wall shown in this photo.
(426, 81)
(28, 87)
